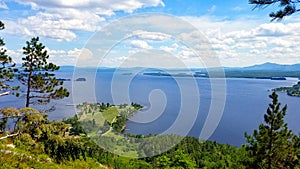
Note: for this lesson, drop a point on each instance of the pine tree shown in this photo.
(288, 7)
(271, 146)
(6, 68)
(37, 74)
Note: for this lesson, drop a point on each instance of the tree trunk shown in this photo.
(28, 87)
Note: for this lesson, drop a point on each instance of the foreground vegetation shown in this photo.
(36, 142)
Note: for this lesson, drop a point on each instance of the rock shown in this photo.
(48, 160)
(10, 146)
(6, 151)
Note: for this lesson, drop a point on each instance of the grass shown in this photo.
(110, 113)
(20, 158)
(114, 135)
(93, 119)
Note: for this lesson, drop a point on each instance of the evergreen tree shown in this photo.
(271, 146)
(6, 67)
(37, 74)
(288, 7)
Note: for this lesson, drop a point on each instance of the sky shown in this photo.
(151, 33)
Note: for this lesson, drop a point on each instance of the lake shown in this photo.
(165, 98)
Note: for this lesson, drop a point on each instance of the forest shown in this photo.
(291, 91)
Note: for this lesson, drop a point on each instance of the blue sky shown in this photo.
(237, 35)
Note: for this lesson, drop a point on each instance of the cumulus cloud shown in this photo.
(170, 49)
(239, 41)
(245, 42)
(60, 19)
(139, 44)
(59, 57)
(272, 29)
(103, 7)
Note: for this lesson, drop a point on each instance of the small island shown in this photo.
(291, 91)
(81, 79)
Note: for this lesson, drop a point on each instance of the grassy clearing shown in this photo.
(110, 113)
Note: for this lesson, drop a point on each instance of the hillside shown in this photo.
(43, 144)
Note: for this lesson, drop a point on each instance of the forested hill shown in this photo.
(39, 143)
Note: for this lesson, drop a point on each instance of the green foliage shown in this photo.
(287, 7)
(193, 153)
(41, 143)
(291, 91)
(76, 129)
(119, 123)
(98, 118)
(136, 106)
(42, 86)
(272, 146)
(7, 69)
(14, 160)
(179, 160)
(8, 113)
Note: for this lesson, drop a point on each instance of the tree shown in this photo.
(272, 145)
(8, 113)
(6, 68)
(37, 74)
(288, 7)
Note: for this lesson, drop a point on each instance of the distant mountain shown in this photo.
(268, 66)
(272, 67)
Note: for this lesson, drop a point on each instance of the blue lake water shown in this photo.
(164, 97)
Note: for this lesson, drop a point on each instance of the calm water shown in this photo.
(246, 102)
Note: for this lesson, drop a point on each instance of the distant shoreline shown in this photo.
(225, 76)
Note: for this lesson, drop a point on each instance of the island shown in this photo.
(175, 74)
(278, 78)
(291, 91)
(63, 79)
(81, 79)
(226, 74)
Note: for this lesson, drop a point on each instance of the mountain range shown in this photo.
(268, 66)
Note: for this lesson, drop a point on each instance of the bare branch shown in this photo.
(11, 135)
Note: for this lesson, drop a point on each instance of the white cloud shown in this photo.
(139, 44)
(154, 59)
(60, 19)
(240, 41)
(272, 29)
(16, 55)
(3, 5)
(244, 42)
(59, 57)
(173, 48)
(186, 54)
(102, 7)
(149, 36)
